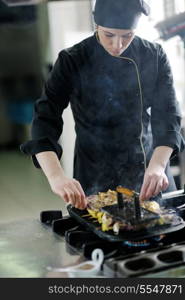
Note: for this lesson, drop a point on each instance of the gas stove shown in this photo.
(148, 257)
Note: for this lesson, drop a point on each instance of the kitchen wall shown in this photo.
(24, 56)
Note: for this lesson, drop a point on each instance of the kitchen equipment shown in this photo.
(88, 222)
(138, 222)
(161, 255)
(137, 207)
(86, 269)
(120, 202)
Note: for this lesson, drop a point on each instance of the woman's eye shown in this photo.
(129, 36)
(109, 35)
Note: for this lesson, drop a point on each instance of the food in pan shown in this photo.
(102, 199)
(95, 202)
(125, 191)
(108, 222)
(152, 206)
(164, 219)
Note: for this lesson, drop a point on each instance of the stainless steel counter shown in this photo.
(28, 247)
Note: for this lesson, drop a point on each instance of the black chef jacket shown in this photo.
(118, 104)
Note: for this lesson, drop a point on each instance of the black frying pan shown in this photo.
(91, 224)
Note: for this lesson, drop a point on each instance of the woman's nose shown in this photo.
(118, 44)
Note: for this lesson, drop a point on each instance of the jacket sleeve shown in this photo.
(47, 124)
(165, 112)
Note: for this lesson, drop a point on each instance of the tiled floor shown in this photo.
(24, 190)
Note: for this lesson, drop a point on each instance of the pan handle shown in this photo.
(177, 209)
(181, 207)
(172, 194)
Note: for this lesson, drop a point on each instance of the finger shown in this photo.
(63, 195)
(77, 195)
(144, 189)
(165, 184)
(83, 202)
(79, 187)
(78, 203)
(70, 196)
(150, 190)
(159, 187)
(82, 194)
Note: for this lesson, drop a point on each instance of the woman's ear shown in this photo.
(97, 37)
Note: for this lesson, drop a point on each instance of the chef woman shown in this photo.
(127, 119)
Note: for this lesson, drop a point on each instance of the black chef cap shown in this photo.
(119, 14)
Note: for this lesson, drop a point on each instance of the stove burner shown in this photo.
(143, 243)
(128, 257)
(140, 244)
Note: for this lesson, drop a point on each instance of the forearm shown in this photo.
(160, 157)
(50, 164)
(68, 189)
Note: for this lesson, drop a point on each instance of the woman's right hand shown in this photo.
(69, 190)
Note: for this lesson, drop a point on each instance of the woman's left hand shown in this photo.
(155, 181)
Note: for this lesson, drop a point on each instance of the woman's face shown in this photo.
(115, 41)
